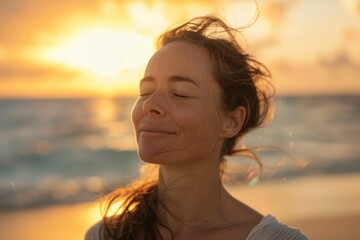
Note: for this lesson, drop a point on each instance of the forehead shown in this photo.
(181, 58)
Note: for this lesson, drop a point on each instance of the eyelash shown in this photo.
(174, 94)
(180, 96)
(144, 94)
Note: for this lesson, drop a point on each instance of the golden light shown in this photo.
(3, 53)
(140, 15)
(353, 7)
(103, 52)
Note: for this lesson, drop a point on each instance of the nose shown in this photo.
(154, 106)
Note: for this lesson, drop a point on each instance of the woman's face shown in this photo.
(177, 115)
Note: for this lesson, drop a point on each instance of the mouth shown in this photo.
(152, 132)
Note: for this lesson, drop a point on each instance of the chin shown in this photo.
(162, 158)
(153, 158)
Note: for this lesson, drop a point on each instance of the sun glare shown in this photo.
(104, 52)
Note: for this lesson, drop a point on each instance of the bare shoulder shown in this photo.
(241, 212)
(93, 233)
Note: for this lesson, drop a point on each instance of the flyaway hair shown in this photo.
(243, 82)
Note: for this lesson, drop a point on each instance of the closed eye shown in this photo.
(144, 94)
(180, 95)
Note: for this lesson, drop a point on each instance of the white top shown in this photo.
(269, 228)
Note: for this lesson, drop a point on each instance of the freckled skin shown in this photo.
(195, 120)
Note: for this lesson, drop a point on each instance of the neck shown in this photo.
(189, 194)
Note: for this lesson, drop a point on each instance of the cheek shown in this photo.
(202, 125)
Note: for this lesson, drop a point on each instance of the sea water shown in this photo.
(71, 150)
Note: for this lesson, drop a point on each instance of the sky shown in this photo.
(99, 48)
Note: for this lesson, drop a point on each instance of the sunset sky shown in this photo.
(99, 48)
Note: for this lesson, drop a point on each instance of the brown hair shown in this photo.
(242, 79)
(244, 82)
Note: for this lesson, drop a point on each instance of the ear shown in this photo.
(234, 122)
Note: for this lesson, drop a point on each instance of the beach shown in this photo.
(323, 207)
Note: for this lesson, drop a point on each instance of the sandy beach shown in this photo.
(323, 207)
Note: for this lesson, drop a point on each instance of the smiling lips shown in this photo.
(154, 132)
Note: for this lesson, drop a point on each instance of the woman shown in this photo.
(200, 94)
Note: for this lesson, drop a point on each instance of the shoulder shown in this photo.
(270, 228)
(93, 233)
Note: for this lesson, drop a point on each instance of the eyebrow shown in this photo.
(173, 78)
(177, 78)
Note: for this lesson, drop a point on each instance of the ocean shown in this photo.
(58, 151)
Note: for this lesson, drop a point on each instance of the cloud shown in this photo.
(21, 21)
(31, 71)
(350, 44)
(3, 54)
(353, 6)
(343, 69)
(269, 27)
(27, 25)
(342, 60)
(275, 12)
(335, 74)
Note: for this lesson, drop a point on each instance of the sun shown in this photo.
(103, 52)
